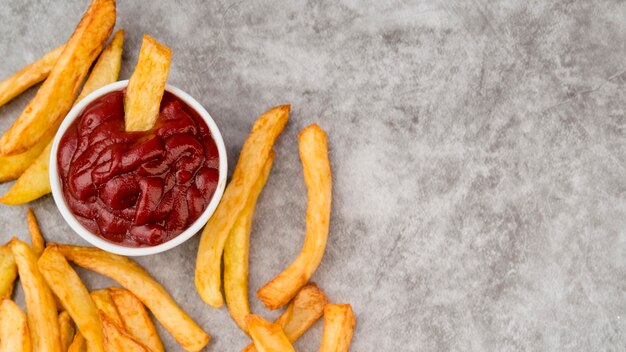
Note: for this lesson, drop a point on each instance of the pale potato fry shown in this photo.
(8, 271)
(79, 344)
(252, 159)
(267, 337)
(106, 70)
(74, 296)
(303, 310)
(29, 75)
(43, 322)
(56, 95)
(146, 85)
(36, 239)
(14, 336)
(116, 339)
(317, 177)
(236, 254)
(12, 166)
(136, 319)
(66, 327)
(338, 328)
(105, 305)
(132, 277)
(34, 182)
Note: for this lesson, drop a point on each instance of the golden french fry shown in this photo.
(236, 254)
(267, 337)
(106, 306)
(252, 159)
(29, 75)
(36, 239)
(317, 177)
(66, 327)
(34, 182)
(8, 271)
(132, 277)
(14, 336)
(136, 319)
(146, 85)
(303, 310)
(338, 328)
(116, 339)
(74, 296)
(43, 322)
(79, 344)
(56, 95)
(12, 166)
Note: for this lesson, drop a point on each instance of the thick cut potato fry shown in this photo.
(43, 322)
(14, 336)
(56, 95)
(8, 271)
(136, 319)
(303, 310)
(34, 182)
(79, 344)
(106, 306)
(29, 76)
(66, 326)
(338, 328)
(73, 295)
(12, 166)
(236, 254)
(252, 159)
(116, 339)
(146, 85)
(132, 277)
(36, 239)
(267, 337)
(317, 177)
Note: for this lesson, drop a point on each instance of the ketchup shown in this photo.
(137, 188)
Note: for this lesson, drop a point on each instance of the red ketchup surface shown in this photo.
(137, 189)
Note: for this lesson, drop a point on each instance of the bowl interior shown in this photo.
(96, 240)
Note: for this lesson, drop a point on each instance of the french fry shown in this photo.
(79, 344)
(29, 75)
(74, 296)
(106, 306)
(132, 277)
(146, 85)
(14, 336)
(254, 154)
(267, 337)
(236, 254)
(36, 239)
(56, 95)
(338, 328)
(34, 182)
(116, 339)
(43, 322)
(303, 310)
(136, 319)
(66, 327)
(12, 166)
(317, 177)
(8, 271)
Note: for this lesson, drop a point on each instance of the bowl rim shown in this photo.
(96, 240)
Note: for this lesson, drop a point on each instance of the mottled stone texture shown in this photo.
(478, 149)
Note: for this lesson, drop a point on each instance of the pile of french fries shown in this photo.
(63, 315)
(227, 236)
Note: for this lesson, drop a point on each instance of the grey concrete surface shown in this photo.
(478, 150)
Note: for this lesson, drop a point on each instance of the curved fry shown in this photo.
(317, 177)
(236, 254)
(252, 159)
(338, 328)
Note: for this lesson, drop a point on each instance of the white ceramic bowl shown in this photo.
(98, 241)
